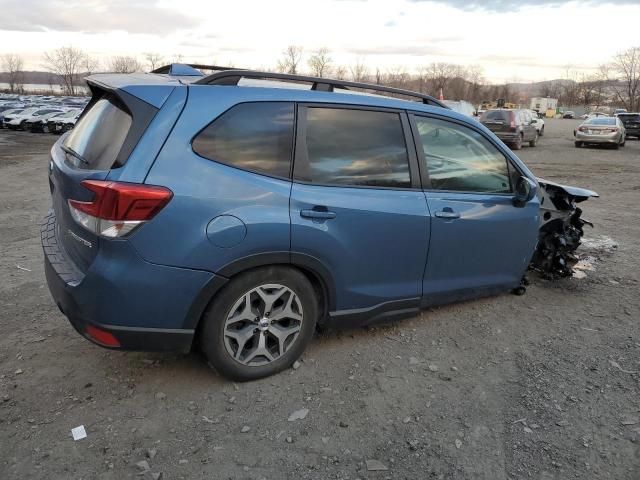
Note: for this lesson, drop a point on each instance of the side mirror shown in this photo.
(526, 189)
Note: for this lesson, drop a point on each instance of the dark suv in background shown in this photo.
(631, 122)
(513, 127)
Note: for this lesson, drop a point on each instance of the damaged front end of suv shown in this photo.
(561, 228)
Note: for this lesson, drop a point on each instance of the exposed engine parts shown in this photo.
(561, 228)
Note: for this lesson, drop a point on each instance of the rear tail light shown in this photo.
(118, 208)
(101, 337)
(582, 129)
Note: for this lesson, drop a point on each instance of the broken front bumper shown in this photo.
(561, 228)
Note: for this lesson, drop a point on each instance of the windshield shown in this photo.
(70, 113)
(97, 138)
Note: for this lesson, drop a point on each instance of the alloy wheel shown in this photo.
(263, 324)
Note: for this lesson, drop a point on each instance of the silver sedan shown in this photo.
(601, 130)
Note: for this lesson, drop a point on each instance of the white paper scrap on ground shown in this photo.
(79, 433)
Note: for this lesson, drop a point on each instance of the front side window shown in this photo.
(355, 148)
(251, 136)
(461, 159)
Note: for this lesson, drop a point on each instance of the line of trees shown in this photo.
(615, 82)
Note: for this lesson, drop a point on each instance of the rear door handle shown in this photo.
(447, 214)
(318, 214)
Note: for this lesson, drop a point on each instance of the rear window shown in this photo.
(496, 116)
(97, 138)
(601, 121)
(629, 117)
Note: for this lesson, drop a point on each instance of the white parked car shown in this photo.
(63, 122)
(9, 113)
(23, 120)
(537, 122)
(14, 119)
(38, 121)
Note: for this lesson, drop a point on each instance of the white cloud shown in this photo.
(531, 42)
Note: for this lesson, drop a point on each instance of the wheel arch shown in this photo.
(316, 272)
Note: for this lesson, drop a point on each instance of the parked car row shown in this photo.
(38, 113)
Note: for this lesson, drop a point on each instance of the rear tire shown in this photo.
(260, 323)
(616, 146)
(623, 142)
(517, 145)
(578, 144)
(542, 131)
(534, 142)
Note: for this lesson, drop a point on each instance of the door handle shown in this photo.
(318, 214)
(450, 214)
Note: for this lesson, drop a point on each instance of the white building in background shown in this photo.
(543, 104)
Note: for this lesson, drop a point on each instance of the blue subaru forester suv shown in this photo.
(235, 212)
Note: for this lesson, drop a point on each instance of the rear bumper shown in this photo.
(633, 132)
(146, 307)
(586, 138)
(507, 137)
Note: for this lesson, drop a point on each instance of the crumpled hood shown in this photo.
(581, 194)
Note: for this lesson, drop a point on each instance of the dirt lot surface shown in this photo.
(542, 386)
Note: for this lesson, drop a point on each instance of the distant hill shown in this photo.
(38, 78)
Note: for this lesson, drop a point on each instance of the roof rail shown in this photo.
(232, 77)
(187, 69)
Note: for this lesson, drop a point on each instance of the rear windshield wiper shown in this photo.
(73, 153)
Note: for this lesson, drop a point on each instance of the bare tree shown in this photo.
(475, 77)
(290, 60)
(91, 65)
(626, 66)
(66, 63)
(438, 75)
(12, 64)
(124, 64)
(359, 71)
(154, 60)
(395, 77)
(591, 89)
(320, 62)
(340, 72)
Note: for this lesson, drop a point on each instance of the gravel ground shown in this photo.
(542, 386)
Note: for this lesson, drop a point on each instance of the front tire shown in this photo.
(542, 131)
(260, 323)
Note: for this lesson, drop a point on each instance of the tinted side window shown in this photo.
(355, 147)
(461, 159)
(251, 136)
